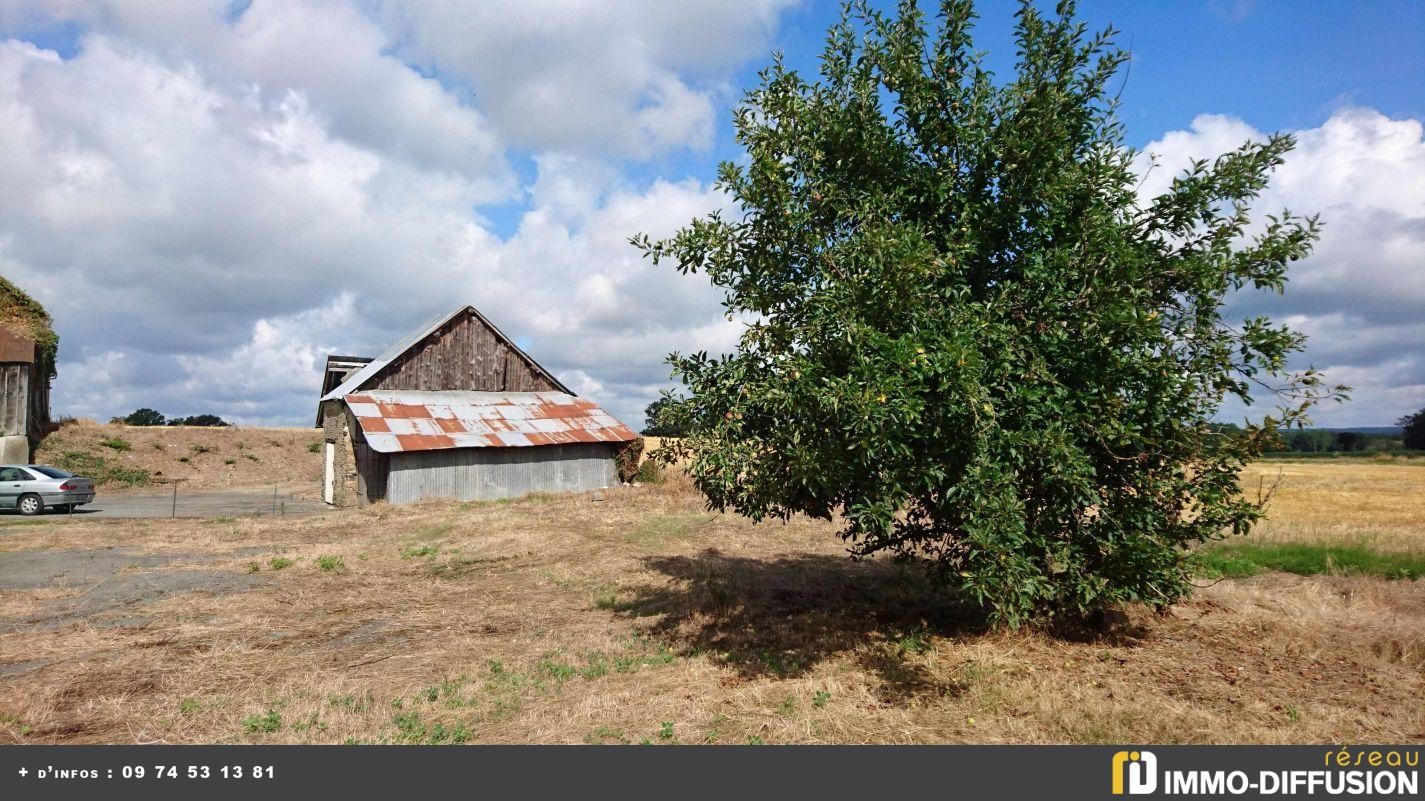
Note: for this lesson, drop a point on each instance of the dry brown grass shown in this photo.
(564, 619)
(202, 458)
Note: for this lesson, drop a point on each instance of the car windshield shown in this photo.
(52, 472)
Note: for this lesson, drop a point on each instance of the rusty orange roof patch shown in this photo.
(403, 420)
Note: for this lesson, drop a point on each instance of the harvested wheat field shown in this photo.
(641, 617)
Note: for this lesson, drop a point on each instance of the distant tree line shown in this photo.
(152, 417)
(1411, 437)
(1320, 440)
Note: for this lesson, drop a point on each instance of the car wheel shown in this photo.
(30, 505)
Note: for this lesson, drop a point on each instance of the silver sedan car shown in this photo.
(32, 488)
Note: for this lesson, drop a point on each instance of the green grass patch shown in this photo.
(259, 724)
(21, 727)
(116, 443)
(279, 562)
(411, 729)
(420, 551)
(102, 471)
(331, 564)
(1243, 559)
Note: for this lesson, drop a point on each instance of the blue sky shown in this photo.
(1275, 65)
(216, 194)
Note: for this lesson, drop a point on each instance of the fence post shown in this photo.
(175, 500)
(274, 500)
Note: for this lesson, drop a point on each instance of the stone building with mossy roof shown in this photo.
(28, 347)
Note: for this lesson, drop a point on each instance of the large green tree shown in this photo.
(967, 337)
(1414, 425)
(661, 419)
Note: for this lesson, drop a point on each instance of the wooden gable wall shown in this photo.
(465, 354)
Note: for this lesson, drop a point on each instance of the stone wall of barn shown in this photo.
(339, 458)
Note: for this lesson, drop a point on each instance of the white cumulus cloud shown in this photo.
(1360, 296)
(210, 201)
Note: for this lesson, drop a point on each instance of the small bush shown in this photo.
(650, 472)
(116, 443)
(627, 459)
(199, 449)
(279, 562)
(230, 461)
(331, 564)
(253, 567)
(315, 447)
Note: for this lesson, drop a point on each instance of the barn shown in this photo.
(27, 356)
(457, 411)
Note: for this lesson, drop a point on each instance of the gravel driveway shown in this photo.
(200, 503)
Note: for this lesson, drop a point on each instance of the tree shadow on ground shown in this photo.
(782, 616)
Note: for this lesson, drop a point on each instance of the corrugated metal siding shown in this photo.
(487, 474)
(372, 467)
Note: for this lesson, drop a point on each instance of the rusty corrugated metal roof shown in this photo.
(408, 420)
